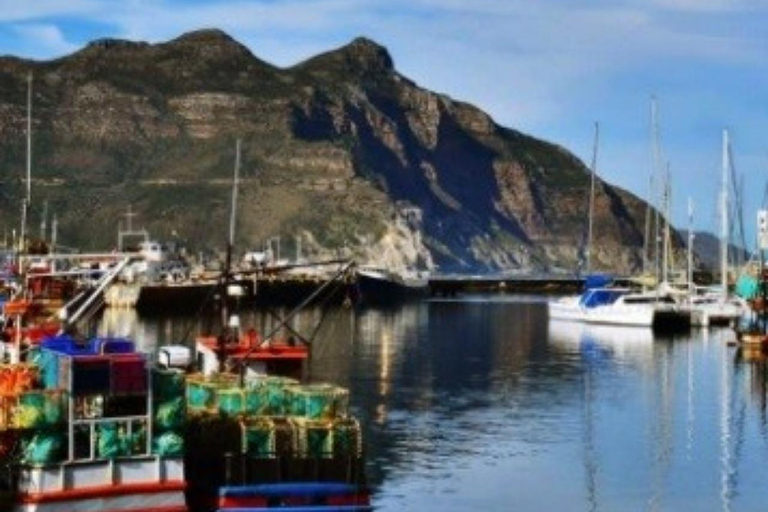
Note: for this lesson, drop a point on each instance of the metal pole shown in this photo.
(592, 199)
(656, 160)
(29, 137)
(724, 220)
(222, 340)
(665, 256)
(54, 239)
(690, 245)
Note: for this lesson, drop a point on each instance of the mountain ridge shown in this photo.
(339, 150)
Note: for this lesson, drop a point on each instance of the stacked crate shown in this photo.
(105, 382)
(170, 412)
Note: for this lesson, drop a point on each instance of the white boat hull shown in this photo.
(613, 314)
(136, 484)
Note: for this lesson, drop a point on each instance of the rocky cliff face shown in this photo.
(340, 151)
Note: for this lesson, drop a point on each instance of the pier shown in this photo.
(451, 285)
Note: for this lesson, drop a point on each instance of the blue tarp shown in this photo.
(594, 298)
(69, 346)
(597, 281)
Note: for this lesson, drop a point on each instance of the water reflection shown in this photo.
(485, 404)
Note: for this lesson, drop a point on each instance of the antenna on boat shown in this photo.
(222, 340)
(592, 198)
(28, 193)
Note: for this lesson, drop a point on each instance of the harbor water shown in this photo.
(481, 403)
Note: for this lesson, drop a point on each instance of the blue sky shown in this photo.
(549, 68)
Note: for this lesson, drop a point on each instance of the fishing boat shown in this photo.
(280, 443)
(77, 432)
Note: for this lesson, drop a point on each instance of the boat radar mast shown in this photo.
(229, 324)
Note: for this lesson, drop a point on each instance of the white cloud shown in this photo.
(44, 39)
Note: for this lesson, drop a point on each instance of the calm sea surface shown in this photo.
(483, 404)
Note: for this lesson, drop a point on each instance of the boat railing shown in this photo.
(123, 423)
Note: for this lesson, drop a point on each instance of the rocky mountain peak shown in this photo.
(361, 59)
(368, 55)
(206, 38)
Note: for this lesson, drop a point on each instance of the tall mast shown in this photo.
(724, 217)
(228, 263)
(592, 198)
(665, 255)
(656, 163)
(29, 137)
(647, 234)
(44, 221)
(28, 192)
(233, 210)
(690, 245)
(54, 239)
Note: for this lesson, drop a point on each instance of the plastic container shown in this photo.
(67, 345)
(129, 375)
(91, 375)
(113, 346)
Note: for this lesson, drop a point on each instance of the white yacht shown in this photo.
(621, 306)
(713, 308)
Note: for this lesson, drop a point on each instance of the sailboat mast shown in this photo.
(656, 160)
(54, 239)
(690, 245)
(592, 198)
(665, 256)
(724, 217)
(44, 222)
(28, 195)
(647, 233)
(29, 138)
(222, 340)
(233, 210)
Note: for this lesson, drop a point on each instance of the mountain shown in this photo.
(706, 246)
(341, 151)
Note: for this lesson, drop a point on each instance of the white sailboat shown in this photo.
(716, 306)
(616, 306)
